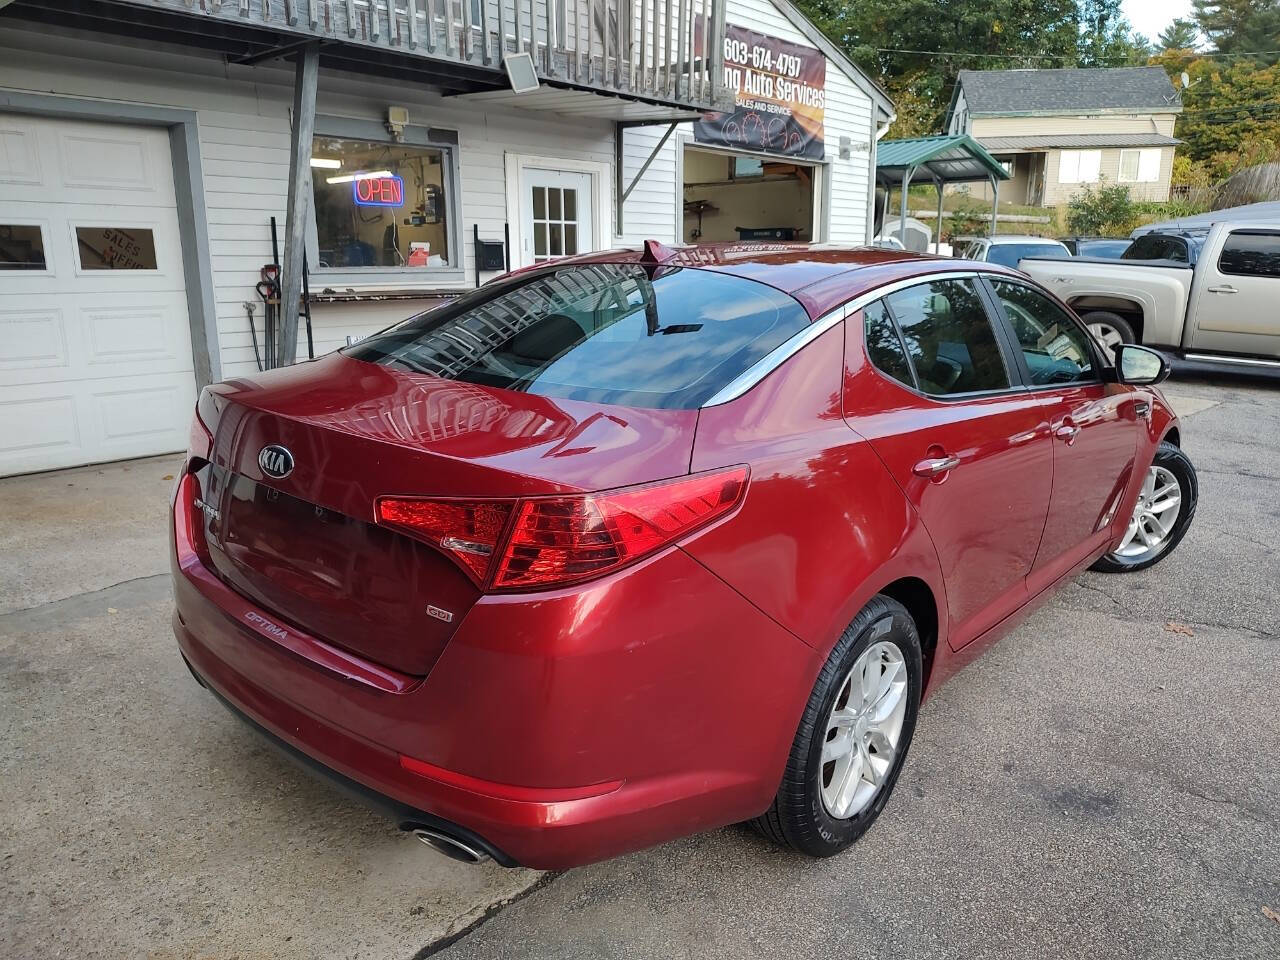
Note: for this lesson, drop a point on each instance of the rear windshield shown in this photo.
(608, 333)
(1008, 254)
(1103, 248)
(1155, 246)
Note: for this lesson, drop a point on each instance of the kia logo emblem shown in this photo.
(276, 461)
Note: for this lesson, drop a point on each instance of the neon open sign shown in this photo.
(378, 192)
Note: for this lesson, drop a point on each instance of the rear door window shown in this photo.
(949, 337)
(608, 333)
(1251, 253)
(884, 346)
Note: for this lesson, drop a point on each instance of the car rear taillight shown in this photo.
(542, 542)
(467, 531)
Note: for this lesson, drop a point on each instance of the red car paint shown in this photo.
(566, 725)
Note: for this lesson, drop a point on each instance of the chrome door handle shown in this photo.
(935, 466)
(1142, 409)
(1224, 288)
(1066, 432)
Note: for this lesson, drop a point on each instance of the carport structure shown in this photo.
(956, 158)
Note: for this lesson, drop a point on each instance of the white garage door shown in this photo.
(95, 348)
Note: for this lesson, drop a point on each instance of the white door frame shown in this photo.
(820, 198)
(601, 198)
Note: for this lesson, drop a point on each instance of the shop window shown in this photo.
(380, 204)
(21, 247)
(116, 248)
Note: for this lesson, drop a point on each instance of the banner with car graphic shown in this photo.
(780, 97)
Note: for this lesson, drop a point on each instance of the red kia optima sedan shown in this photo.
(632, 545)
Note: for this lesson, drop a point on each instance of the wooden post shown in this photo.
(937, 237)
(902, 220)
(299, 210)
(995, 202)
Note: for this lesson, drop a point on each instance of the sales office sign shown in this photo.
(780, 96)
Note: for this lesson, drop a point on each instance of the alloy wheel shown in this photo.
(1154, 515)
(1107, 335)
(864, 730)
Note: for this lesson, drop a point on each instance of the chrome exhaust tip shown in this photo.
(449, 847)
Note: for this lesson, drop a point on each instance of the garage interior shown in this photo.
(743, 196)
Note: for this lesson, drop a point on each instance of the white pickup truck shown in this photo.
(1216, 303)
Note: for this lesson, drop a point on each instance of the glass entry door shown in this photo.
(557, 214)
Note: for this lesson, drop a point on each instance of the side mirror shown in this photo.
(1140, 366)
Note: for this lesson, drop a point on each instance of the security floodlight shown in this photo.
(521, 73)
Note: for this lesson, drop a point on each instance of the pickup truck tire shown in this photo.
(1109, 329)
(1165, 508)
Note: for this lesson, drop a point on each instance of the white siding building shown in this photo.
(141, 164)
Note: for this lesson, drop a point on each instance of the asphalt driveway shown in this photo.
(1104, 782)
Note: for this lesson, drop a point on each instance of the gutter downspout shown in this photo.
(881, 130)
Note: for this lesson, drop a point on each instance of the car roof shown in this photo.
(1021, 238)
(821, 276)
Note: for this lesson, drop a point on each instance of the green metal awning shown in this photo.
(948, 159)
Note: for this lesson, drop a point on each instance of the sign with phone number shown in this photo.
(780, 97)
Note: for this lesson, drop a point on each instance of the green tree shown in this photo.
(1241, 26)
(1179, 35)
(1105, 37)
(1230, 106)
(915, 48)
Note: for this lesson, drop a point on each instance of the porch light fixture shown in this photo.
(349, 177)
(325, 163)
(521, 73)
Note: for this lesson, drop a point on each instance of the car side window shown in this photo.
(949, 338)
(1251, 253)
(884, 346)
(1054, 346)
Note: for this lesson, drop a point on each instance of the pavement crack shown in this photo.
(1097, 589)
(491, 911)
(124, 595)
(1244, 811)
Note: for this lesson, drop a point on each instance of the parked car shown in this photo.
(1008, 249)
(1109, 248)
(1182, 246)
(1216, 308)
(635, 544)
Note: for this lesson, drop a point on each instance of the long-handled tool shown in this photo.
(306, 306)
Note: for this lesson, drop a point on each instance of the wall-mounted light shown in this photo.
(349, 177)
(325, 163)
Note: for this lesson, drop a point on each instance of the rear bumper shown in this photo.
(556, 729)
(405, 816)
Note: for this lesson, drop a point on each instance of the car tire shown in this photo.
(882, 637)
(1169, 462)
(1109, 329)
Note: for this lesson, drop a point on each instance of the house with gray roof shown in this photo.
(1058, 131)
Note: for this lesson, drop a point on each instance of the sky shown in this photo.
(1150, 17)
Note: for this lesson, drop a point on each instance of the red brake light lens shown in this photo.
(566, 539)
(554, 541)
(466, 530)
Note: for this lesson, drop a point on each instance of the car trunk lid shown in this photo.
(305, 545)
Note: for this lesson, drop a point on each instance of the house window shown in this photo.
(380, 204)
(1080, 166)
(1139, 166)
(1007, 163)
